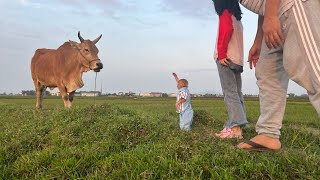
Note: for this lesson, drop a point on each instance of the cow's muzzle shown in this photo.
(99, 66)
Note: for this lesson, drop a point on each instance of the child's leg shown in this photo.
(233, 101)
(186, 119)
(239, 88)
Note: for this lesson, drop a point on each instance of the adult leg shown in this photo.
(301, 57)
(272, 80)
(303, 66)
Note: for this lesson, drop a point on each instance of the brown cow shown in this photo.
(63, 68)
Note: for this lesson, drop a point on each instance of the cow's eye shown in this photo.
(87, 50)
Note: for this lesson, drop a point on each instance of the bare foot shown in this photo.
(237, 131)
(269, 142)
(228, 133)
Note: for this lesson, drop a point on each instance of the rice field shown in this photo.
(138, 138)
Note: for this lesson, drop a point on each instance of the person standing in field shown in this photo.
(183, 106)
(229, 59)
(290, 29)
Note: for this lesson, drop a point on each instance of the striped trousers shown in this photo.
(298, 59)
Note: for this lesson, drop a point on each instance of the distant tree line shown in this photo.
(33, 93)
(5, 94)
(132, 94)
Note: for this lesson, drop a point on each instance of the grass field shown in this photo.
(122, 138)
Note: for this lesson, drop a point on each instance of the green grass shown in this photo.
(134, 138)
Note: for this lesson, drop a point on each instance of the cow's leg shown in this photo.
(38, 87)
(64, 96)
(42, 90)
(71, 95)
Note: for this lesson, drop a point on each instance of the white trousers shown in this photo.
(298, 59)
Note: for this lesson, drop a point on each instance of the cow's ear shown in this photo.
(74, 44)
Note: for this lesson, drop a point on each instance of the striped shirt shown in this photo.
(258, 6)
(183, 94)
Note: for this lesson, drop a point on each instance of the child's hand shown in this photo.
(224, 62)
(175, 77)
(177, 106)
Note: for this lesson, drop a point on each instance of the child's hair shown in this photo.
(184, 81)
(231, 5)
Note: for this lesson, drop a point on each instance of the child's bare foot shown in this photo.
(260, 142)
(237, 131)
(228, 133)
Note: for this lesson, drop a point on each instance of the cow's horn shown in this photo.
(96, 40)
(81, 38)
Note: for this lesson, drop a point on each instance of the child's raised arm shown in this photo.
(175, 76)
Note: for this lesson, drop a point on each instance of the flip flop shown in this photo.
(257, 147)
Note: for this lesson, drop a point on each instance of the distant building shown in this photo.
(77, 94)
(172, 95)
(144, 94)
(151, 94)
(130, 93)
(155, 94)
(55, 93)
(196, 95)
(81, 93)
(90, 93)
(120, 94)
(28, 93)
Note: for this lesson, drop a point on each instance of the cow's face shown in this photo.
(89, 51)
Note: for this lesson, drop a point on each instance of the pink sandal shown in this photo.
(227, 133)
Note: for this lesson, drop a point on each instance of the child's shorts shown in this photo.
(186, 119)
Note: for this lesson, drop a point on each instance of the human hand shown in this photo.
(175, 75)
(177, 106)
(272, 32)
(224, 62)
(254, 55)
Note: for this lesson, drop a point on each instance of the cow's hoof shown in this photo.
(38, 108)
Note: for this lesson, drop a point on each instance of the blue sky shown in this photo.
(143, 42)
